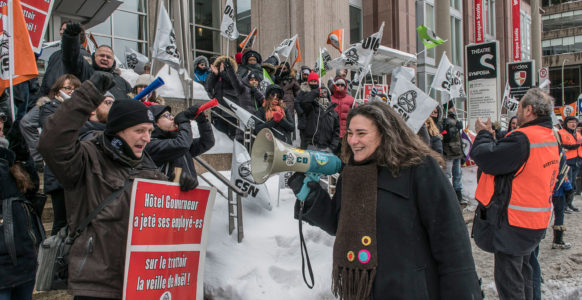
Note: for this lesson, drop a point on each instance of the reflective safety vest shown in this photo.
(530, 203)
(568, 139)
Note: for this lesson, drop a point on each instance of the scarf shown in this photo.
(355, 256)
(121, 150)
(269, 112)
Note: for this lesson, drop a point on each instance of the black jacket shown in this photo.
(283, 129)
(169, 150)
(422, 242)
(452, 144)
(74, 63)
(89, 129)
(19, 238)
(320, 127)
(503, 158)
(55, 68)
(251, 99)
(436, 143)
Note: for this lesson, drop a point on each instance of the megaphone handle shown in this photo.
(302, 195)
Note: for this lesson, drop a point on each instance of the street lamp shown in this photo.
(563, 62)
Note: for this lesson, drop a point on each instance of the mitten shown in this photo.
(277, 116)
(103, 81)
(187, 182)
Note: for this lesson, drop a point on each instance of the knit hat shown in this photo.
(313, 76)
(255, 75)
(157, 110)
(305, 70)
(127, 113)
(238, 57)
(144, 80)
(109, 94)
(274, 88)
(249, 54)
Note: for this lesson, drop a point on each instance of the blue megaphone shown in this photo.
(158, 82)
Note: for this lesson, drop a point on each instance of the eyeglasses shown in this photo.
(68, 88)
(167, 115)
(108, 102)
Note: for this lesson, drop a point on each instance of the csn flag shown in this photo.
(359, 55)
(165, 48)
(240, 176)
(228, 27)
(286, 46)
(448, 79)
(411, 103)
(247, 120)
(404, 73)
(135, 60)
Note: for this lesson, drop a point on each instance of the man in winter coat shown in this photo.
(569, 141)
(251, 61)
(286, 79)
(92, 170)
(453, 150)
(322, 128)
(514, 192)
(102, 60)
(309, 92)
(251, 97)
(343, 100)
(172, 144)
(201, 70)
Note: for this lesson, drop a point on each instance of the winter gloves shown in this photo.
(103, 81)
(181, 118)
(73, 29)
(277, 116)
(187, 182)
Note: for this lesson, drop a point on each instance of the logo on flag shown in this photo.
(286, 46)
(228, 25)
(520, 77)
(407, 101)
(412, 104)
(335, 39)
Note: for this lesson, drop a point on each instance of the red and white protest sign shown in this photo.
(382, 89)
(36, 15)
(166, 241)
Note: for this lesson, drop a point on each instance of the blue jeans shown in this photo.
(536, 274)
(572, 174)
(559, 208)
(21, 292)
(453, 169)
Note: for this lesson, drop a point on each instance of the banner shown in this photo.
(428, 37)
(336, 39)
(479, 21)
(16, 56)
(249, 41)
(521, 77)
(36, 17)
(165, 48)
(166, 241)
(516, 16)
(135, 60)
(412, 104)
(240, 176)
(228, 26)
(379, 89)
(448, 79)
(359, 55)
(482, 77)
(286, 46)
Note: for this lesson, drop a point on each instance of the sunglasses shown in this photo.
(167, 115)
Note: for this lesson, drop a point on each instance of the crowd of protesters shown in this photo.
(95, 139)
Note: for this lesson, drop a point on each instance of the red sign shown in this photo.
(516, 30)
(166, 241)
(478, 21)
(382, 89)
(36, 15)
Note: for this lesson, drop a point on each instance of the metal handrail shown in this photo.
(220, 177)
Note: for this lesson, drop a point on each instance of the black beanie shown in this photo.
(157, 110)
(127, 113)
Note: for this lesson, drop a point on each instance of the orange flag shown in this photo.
(336, 39)
(249, 40)
(16, 56)
(298, 58)
(568, 110)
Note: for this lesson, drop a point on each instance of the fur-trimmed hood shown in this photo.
(223, 58)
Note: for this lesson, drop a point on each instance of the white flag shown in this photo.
(135, 60)
(247, 120)
(286, 46)
(448, 79)
(401, 73)
(509, 102)
(412, 104)
(165, 48)
(228, 26)
(359, 55)
(240, 176)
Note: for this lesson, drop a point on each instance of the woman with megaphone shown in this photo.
(399, 231)
(275, 115)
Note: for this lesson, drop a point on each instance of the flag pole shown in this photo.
(10, 19)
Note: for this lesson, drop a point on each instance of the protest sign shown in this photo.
(166, 241)
(36, 15)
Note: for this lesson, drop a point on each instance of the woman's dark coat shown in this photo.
(283, 129)
(423, 244)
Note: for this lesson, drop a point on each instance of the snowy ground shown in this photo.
(267, 264)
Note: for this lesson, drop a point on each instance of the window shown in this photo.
(205, 27)
(115, 32)
(562, 20)
(525, 23)
(457, 41)
(355, 24)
